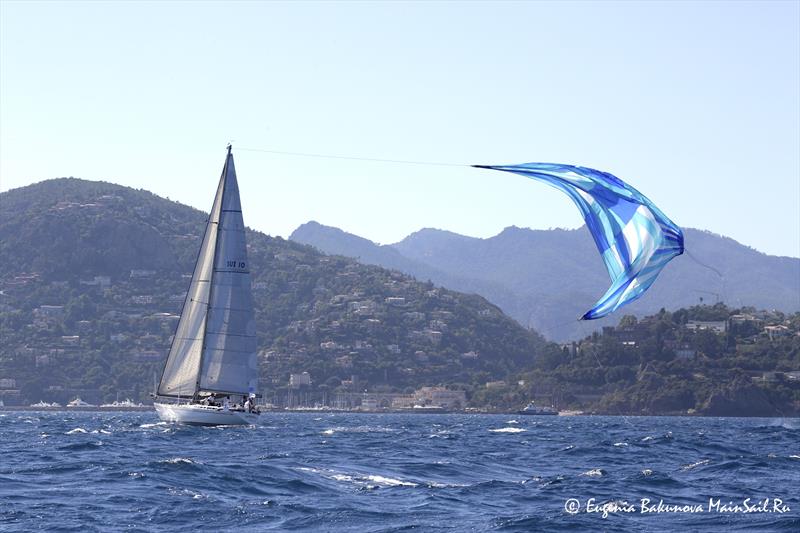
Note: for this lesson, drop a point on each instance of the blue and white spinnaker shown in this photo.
(635, 239)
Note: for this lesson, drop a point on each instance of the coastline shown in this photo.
(145, 408)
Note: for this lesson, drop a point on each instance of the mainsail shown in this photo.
(214, 349)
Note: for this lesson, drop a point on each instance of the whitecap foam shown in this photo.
(186, 492)
(390, 482)
(76, 430)
(785, 423)
(145, 426)
(794, 457)
(329, 432)
(363, 429)
(508, 430)
(512, 421)
(695, 465)
(620, 444)
(594, 472)
(647, 472)
(369, 481)
(179, 460)
(438, 485)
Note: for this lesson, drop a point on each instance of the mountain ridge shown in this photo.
(547, 278)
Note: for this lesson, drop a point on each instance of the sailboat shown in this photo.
(210, 376)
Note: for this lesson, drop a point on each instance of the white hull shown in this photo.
(203, 415)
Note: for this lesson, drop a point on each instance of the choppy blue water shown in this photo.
(63, 471)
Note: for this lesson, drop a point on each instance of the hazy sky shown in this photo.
(697, 105)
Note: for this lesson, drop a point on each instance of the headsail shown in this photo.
(214, 348)
(229, 357)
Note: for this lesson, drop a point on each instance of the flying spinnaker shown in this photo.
(635, 239)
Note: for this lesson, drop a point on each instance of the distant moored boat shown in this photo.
(533, 409)
(77, 402)
(42, 403)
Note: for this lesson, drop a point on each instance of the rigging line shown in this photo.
(719, 274)
(696, 260)
(353, 158)
(548, 330)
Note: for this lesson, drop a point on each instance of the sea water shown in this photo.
(83, 471)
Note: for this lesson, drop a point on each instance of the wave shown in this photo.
(176, 463)
(359, 429)
(364, 480)
(648, 479)
(550, 480)
(80, 446)
(152, 425)
(650, 440)
(179, 460)
(694, 465)
(390, 482)
(383, 472)
(195, 495)
(783, 423)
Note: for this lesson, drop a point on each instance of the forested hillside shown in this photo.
(93, 276)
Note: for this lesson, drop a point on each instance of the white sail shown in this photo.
(214, 348)
(229, 358)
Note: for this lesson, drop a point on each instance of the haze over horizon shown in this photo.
(704, 121)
